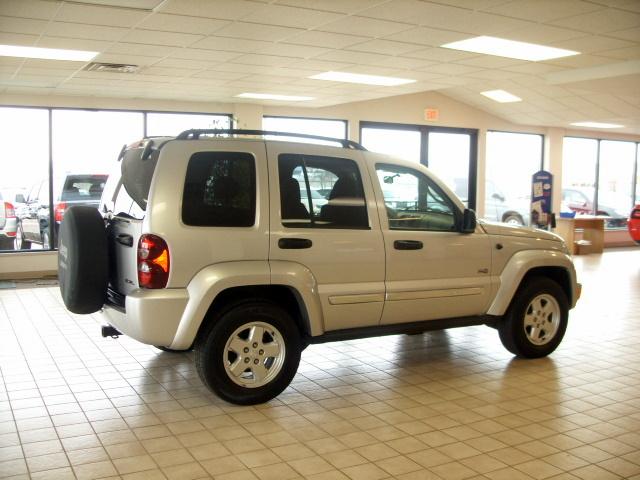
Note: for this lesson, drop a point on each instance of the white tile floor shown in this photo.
(450, 405)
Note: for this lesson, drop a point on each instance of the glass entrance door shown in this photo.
(451, 153)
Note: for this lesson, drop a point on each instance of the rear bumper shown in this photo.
(149, 316)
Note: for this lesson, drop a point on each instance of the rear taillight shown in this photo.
(153, 262)
(9, 211)
(58, 211)
(636, 213)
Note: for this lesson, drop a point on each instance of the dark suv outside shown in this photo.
(72, 189)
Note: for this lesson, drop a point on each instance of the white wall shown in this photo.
(407, 109)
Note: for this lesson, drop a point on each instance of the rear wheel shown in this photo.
(250, 353)
(6, 243)
(20, 242)
(536, 320)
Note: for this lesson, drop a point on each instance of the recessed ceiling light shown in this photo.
(509, 48)
(596, 125)
(360, 78)
(501, 96)
(269, 96)
(46, 53)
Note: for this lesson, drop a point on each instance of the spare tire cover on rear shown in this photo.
(83, 268)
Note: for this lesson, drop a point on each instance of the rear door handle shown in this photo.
(124, 239)
(294, 243)
(407, 245)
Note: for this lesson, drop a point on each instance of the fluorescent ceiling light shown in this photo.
(509, 48)
(46, 53)
(501, 96)
(597, 125)
(360, 78)
(269, 96)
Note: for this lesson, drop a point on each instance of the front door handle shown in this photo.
(407, 245)
(294, 243)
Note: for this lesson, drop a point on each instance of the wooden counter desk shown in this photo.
(592, 232)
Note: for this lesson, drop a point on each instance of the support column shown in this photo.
(482, 172)
(247, 116)
(553, 142)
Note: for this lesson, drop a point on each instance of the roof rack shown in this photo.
(194, 134)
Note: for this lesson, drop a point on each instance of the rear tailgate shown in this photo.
(123, 236)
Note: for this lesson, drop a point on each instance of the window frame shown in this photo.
(345, 122)
(307, 188)
(457, 214)
(236, 155)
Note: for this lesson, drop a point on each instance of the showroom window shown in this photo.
(24, 143)
(598, 178)
(308, 126)
(511, 160)
(451, 153)
(171, 124)
(62, 157)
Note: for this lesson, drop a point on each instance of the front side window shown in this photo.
(414, 202)
(220, 190)
(321, 192)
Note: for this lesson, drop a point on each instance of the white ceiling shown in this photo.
(211, 50)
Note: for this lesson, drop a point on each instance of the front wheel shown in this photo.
(20, 242)
(250, 353)
(536, 320)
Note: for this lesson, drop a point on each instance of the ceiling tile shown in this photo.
(632, 34)
(18, 39)
(321, 65)
(602, 21)
(441, 54)
(541, 34)
(490, 61)
(182, 24)
(341, 6)
(299, 51)
(230, 44)
(629, 53)
(544, 10)
(427, 36)
(254, 31)
(203, 55)
(222, 9)
(452, 69)
(143, 50)
(72, 43)
(595, 44)
(385, 47)
(580, 61)
(270, 60)
(631, 5)
(155, 37)
(184, 64)
(29, 8)
(213, 74)
(22, 25)
(290, 16)
(367, 27)
(78, 30)
(138, 4)
(325, 39)
(95, 15)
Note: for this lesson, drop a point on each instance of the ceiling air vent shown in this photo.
(111, 67)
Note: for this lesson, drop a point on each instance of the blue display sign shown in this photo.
(541, 199)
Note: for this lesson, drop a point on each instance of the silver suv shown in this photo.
(215, 241)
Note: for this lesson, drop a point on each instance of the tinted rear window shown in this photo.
(83, 187)
(220, 190)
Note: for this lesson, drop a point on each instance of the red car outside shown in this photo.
(634, 224)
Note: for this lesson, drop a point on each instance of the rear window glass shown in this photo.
(137, 174)
(83, 187)
(220, 190)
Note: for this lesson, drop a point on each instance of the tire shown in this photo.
(513, 219)
(226, 346)
(20, 242)
(7, 243)
(46, 243)
(540, 302)
(170, 350)
(83, 260)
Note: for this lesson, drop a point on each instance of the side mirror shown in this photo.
(469, 221)
(497, 196)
